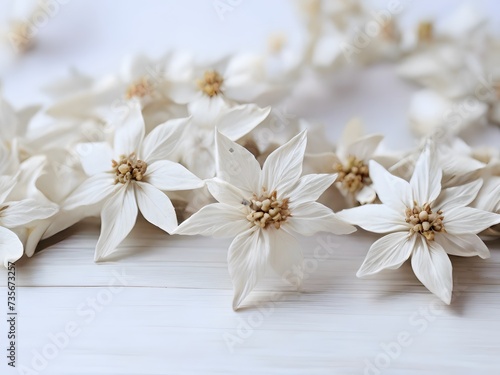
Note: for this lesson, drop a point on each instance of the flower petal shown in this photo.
(458, 196)
(170, 176)
(247, 262)
(463, 245)
(462, 220)
(93, 190)
(26, 211)
(283, 167)
(426, 179)
(366, 195)
(129, 134)
(11, 248)
(118, 217)
(285, 255)
(237, 165)
(95, 157)
(239, 120)
(226, 193)
(377, 218)
(163, 140)
(205, 109)
(312, 217)
(320, 163)
(432, 266)
(216, 220)
(155, 206)
(389, 252)
(363, 148)
(310, 187)
(391, 190)
(7, 183)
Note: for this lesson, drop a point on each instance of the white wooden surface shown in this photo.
(173, 314)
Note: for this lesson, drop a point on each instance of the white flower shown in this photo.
(262, 209)
(350, 161)
(131, 176)
(140, 79)
(197, 151)
(424, 222)
(209, 89)
(16, 216)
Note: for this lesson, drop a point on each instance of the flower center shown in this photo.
(267, 209)
(211, 83)
(424, 221)
(128, 168)
(425, 31)
(353, 175)
(21, 36)
(389, 31)
(140, 89)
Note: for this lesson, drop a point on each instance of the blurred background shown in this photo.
(94, 37)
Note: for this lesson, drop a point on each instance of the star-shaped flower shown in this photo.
(131, 176)
(15, 216)
(263, 209)
(424, 222)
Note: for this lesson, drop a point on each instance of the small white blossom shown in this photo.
(131, 177)
(425, 223)
(262, 209)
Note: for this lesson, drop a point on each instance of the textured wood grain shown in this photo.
(172, 312)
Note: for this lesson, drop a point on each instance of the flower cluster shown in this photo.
(204, 149)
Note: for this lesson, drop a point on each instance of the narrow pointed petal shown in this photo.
(389, 252)
(11, 248)
(283, 167)
(7, 183)
(458, 196)
(237, 165)
(310, 187)
(426, 179)
(118, 217)
(365, 147)
(216, 220)
(95, 157)
(432, 266)
(91, 191)
(377, 218)
(247, 261)
(393, 191)
(312, 217)
(163, 140)
(170, 176)
(26, 211)
(205, 109)
(351, 133)
(240, 120)
(130, 133)
(226, 193)
(285, 256)
(463, 245)
(462, 220)
(155, 206)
